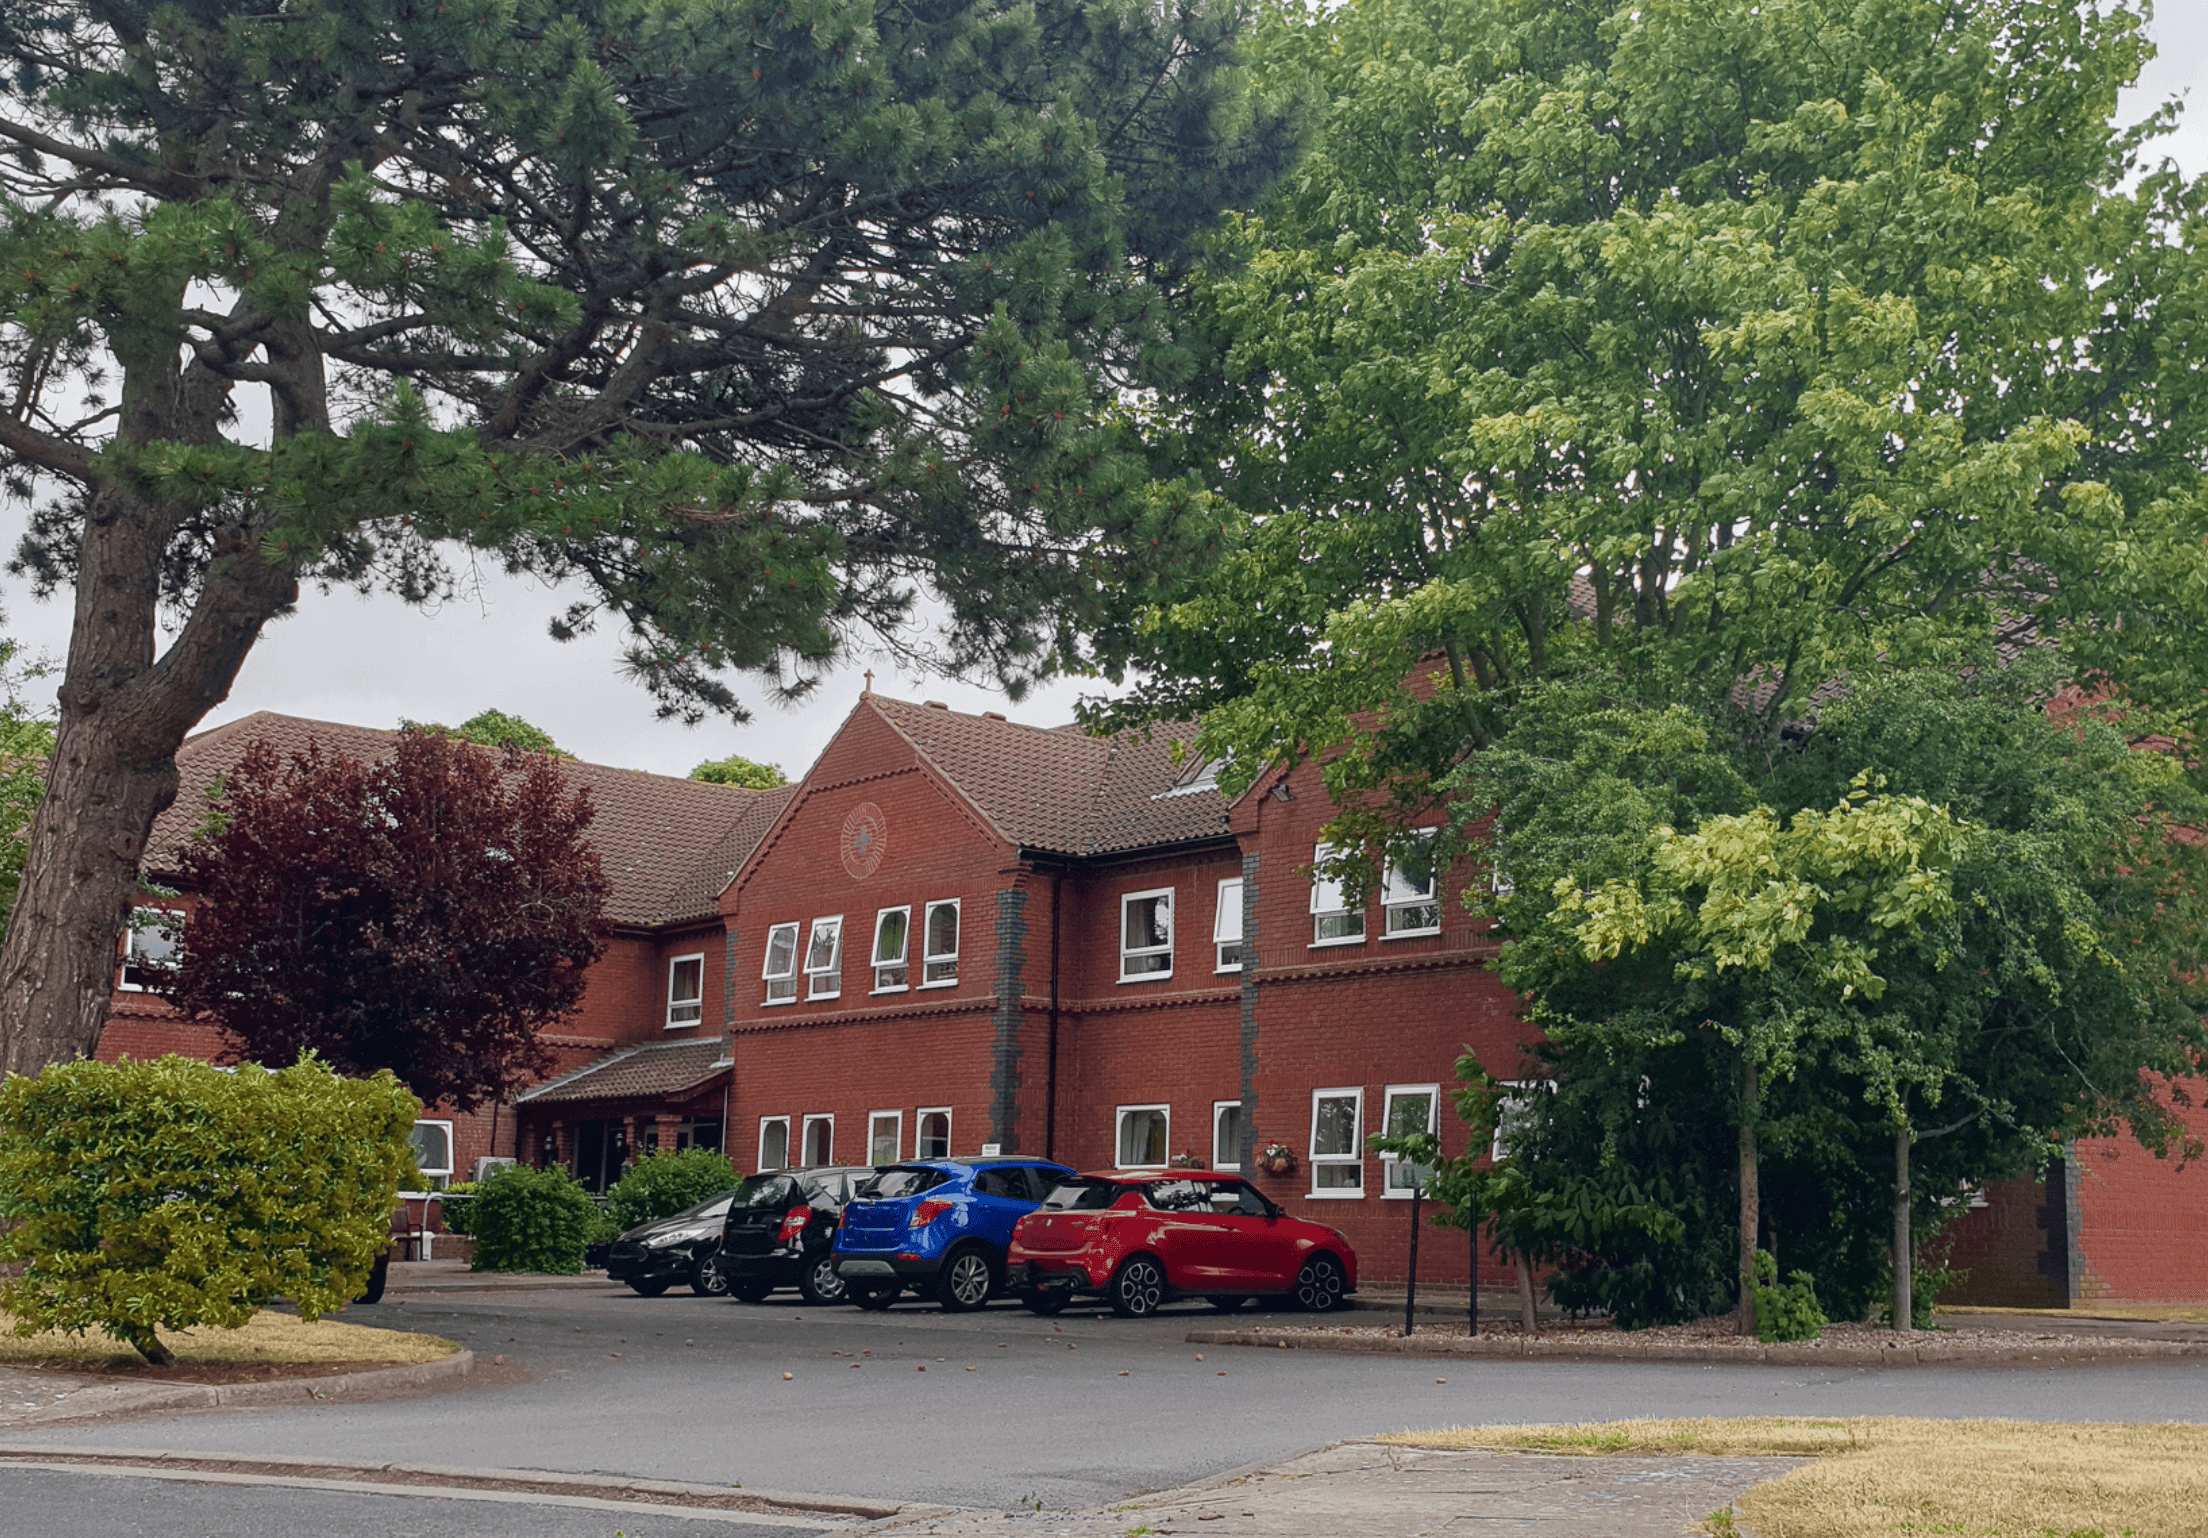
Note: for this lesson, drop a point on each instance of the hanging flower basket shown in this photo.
(1277, 1159)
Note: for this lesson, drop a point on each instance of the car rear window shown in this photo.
(776, 1191)
(1083, 1195)
(893, 1183)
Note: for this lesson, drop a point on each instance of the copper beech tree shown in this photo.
(425, 914)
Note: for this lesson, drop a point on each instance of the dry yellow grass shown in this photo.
(269, 1337)
(1889, 1477)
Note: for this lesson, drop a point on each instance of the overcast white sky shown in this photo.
(371, 661)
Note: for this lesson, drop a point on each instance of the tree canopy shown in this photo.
(494, 729)
(426, 914)
(736, 770)
(748, 322)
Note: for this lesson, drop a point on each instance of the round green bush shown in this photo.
(662, 1184)
(531, 1220)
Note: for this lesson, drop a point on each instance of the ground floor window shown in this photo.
(932, 1135)
(431, 1142)
(1143, 1135)
(774, 1142)
(1408, 1109)
(820, 1140)
(1337, 1142)
(698, 1133)
(1226, 1134)
(885, 1135)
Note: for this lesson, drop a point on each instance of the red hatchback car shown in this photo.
(1142, 1238)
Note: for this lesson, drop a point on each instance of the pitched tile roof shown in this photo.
(669, 846)
(1058, 790)
(659, 1069)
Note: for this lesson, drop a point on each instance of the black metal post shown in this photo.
(1410, 1287)
(1472, 1232)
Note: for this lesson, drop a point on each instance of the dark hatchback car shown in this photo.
(781, 1232)
(940, 1227)
(652, 1257)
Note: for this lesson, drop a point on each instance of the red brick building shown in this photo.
(959, 933)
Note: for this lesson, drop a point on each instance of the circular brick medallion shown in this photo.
(865, 837)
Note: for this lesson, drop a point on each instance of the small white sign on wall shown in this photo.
(991, 1150)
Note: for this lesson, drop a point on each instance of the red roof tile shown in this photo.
(668, 845)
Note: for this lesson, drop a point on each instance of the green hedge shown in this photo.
(662, 1184)
(147, 1196)
(531, 1220)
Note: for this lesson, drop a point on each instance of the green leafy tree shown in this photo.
(139, 1197)
(666, 1182)
(750, 323)
(1754, 340)
(740, 771)
(494, 729)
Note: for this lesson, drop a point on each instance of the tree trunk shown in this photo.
(148, 1345)
(1526, 1315)
(1751, 1200)
(1904, 1249)
(124, 714)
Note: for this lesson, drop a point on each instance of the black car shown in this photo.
(652, 1257)
(781, 1230)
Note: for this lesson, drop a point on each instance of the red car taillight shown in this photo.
(927, 1212)
(793, 1223)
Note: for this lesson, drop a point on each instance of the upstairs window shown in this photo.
(940, 962)
(1146, 935)
(890, 935)
(149, 949)
(1408, 891)
(824, 959)
(1333, 920)
(781, 968)
(685, 991)
(1226, 925)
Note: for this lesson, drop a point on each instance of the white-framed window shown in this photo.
(1405, 1109)
(1407, 895)
(685, 991)
(1512, 1111)
(1226, 1134)
(1337, 1142)
(820, 1140)
(774, 1143)
(939, 961)
(1146, 935)
(885, 1137)
(1333, 920)
(824, 959)
(148, 945)
(780, 970)
(931, 1132)
(431, 1142)
(1226, 925)
(892, 932)
(1142, 1135)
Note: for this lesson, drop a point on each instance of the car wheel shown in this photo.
(1226, 1302)
(750, 1290)
(650, 1289)
(873, 1299)
(966, 1281)
(1138, 1288)
(707, 1279)
(1319, 1284)
(820, 1282)
(1046, 1300)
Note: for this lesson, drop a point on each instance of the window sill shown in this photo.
(1224, 971)
(1227, 1169)
(822, 998)
(684, 1025)
(1147, 977)
(941, 982)
(1322, 945)
(1400, 1194)
(1412, 934)
(776, 1004)
(1337, 1196)
(876, 993)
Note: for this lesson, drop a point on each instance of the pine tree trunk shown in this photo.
(124, 714)
(1904, 1248)
(1751, 1200)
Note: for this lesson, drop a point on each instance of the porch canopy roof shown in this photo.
(656, 1070)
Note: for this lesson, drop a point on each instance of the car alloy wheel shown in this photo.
(1138, 1289)
(1319, 1284)
(967, 1281)
(707, 1279)
(820, 1282)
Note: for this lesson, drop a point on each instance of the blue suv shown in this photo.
(938, 1226)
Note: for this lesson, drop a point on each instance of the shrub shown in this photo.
(531, 1220)
(662, 1184)
(1789, 1312)
(148, 1196)
(453, 1210)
